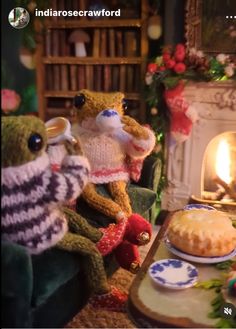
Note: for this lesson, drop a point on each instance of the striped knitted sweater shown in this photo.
(31, 199)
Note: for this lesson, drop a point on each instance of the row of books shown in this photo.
(104, 42)
(95, 77)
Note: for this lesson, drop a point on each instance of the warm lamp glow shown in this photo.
(154, 29)
(222, 166)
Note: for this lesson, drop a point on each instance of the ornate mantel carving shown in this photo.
(221, 94)
(215, 103)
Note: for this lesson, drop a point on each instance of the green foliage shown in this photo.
(215, 313)
(29, 33)
(7, 79)
(225, 265)
(209, 284)
(28, 101)
(218, 301)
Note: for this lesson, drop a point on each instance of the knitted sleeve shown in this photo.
(140, 148)
(68, 183)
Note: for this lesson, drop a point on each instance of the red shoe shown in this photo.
(127, 256)
(112, 301)
(139, 230)
(112, 237)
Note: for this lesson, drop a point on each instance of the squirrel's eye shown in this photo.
(79, 100)
(125, 104)
(35, 142)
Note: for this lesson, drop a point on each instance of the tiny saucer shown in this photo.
(173, 273)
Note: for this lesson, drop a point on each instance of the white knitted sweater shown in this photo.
(107, 155)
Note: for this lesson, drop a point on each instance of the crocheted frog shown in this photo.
(32, 200)
(115, 145)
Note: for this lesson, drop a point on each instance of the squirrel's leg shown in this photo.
(94, 268)
(120, 195)
(80, 225)
(101, 203)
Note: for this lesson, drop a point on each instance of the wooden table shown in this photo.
(151, 306)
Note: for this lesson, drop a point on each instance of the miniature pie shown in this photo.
(202, 232)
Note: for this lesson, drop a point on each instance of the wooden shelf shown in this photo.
(59, 112)
(116, 61)
(71, 94)
(84, 23)
(92, 60)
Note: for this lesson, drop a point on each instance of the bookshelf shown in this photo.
(106, 54)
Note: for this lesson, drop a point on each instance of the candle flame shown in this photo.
(222, 166)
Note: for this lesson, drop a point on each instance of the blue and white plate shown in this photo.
(198, 206)
(198, 259)
(173, 273)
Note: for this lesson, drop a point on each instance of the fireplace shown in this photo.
(218, 179)
(191, 168)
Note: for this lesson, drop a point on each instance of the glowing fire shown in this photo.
(222, 166)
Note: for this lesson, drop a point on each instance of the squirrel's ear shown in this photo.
(79, 100)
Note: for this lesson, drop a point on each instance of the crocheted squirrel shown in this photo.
(32, 200)
(115, 145)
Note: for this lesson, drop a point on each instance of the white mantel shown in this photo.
(215, 103)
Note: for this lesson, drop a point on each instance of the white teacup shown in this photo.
(59, 130)
(108, 120)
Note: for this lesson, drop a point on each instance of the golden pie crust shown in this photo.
(202, 232)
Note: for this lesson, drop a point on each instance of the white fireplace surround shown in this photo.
(216, 106)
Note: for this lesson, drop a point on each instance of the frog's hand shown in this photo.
(79, 225)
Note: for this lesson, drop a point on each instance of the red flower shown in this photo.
(179, 55)
(152, 67)
(170, 63)
(166, 57)
(180, 68)
(10, 100)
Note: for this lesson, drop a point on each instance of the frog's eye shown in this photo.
(35, 142)
(124, 104)
(79, 100)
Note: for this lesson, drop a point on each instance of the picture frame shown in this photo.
(211, 26)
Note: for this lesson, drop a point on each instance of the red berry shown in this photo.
(170, 64)
(152, 67)
(179, 55)
(180, 68)
(166, 57)
(162, 68)
(180, 46)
